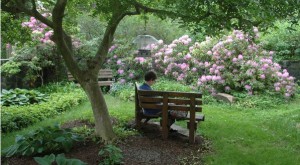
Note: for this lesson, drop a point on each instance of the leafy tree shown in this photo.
(12, 31)
(205, 15)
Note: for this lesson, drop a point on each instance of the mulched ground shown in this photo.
(148, 148)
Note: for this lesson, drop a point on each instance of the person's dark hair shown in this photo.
(150, 75)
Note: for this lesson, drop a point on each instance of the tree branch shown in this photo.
(169, 13)
(62, 40)
(18, 6)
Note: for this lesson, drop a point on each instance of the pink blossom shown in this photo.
(217, 72)
(188, 56)
(234, 59)
(279, 74)
(119, 62)
(262, 76)
(229, 53)
(277, 84)
(247, 87)
(208, 77)
(277, 89)
(194, 69)
(206, 64)
(203, 79)
(131, 75)
(209, 52)
(122, 81)
(285, 75)
(168, 51)
(240, 57)
(115, 56)
(120, 71)
(227, 88)
(216, 53)
(183, 66)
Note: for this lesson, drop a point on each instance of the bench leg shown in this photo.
(138, 122)
(192, 131)
(165, 129)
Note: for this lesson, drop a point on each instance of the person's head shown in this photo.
(150, 77)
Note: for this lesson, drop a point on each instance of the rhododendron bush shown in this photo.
(232, 63)
(237, 63)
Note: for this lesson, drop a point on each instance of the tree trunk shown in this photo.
(103, 125)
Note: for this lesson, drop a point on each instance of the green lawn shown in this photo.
(253, 136)
(236, 136)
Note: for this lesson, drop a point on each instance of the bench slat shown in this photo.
(184, 101)
(151, 106)
(150, 99)
(105, 83)
(169, 93)
(105, 77)
(183, 108)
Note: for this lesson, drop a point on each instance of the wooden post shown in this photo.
(192, 120)
(137, 108)
(165, 129)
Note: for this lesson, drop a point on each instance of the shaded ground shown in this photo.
(148, 148)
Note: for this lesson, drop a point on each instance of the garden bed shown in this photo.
(145, 148)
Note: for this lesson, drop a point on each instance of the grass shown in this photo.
(236, 136)
(253, 136)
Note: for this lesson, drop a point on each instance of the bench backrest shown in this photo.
(168, 100)
(103, 74)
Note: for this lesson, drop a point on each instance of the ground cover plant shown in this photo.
(21, 97)
(41, 141)
(61, 97)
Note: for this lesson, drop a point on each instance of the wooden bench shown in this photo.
(105, 77)
(167, 100)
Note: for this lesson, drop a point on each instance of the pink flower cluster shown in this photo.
(234, 63)
(240, 64)
(39, 30)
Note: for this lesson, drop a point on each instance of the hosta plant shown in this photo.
(44, 140)
(21, 97)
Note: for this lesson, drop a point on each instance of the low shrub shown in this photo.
(111, 154)
(17, 117)
(43, 140)
(21, 97)
(60, 159)
(123, 91)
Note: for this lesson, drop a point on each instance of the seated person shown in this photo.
(150, 78)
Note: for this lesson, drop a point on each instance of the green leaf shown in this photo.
(46, 160)
(60, 139)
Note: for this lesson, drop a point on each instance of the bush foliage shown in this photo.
(17, 117)
(233, 63)
(21, 97)
(41, 141)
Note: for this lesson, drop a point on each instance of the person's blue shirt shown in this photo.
(145, 87)
(149, 111)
